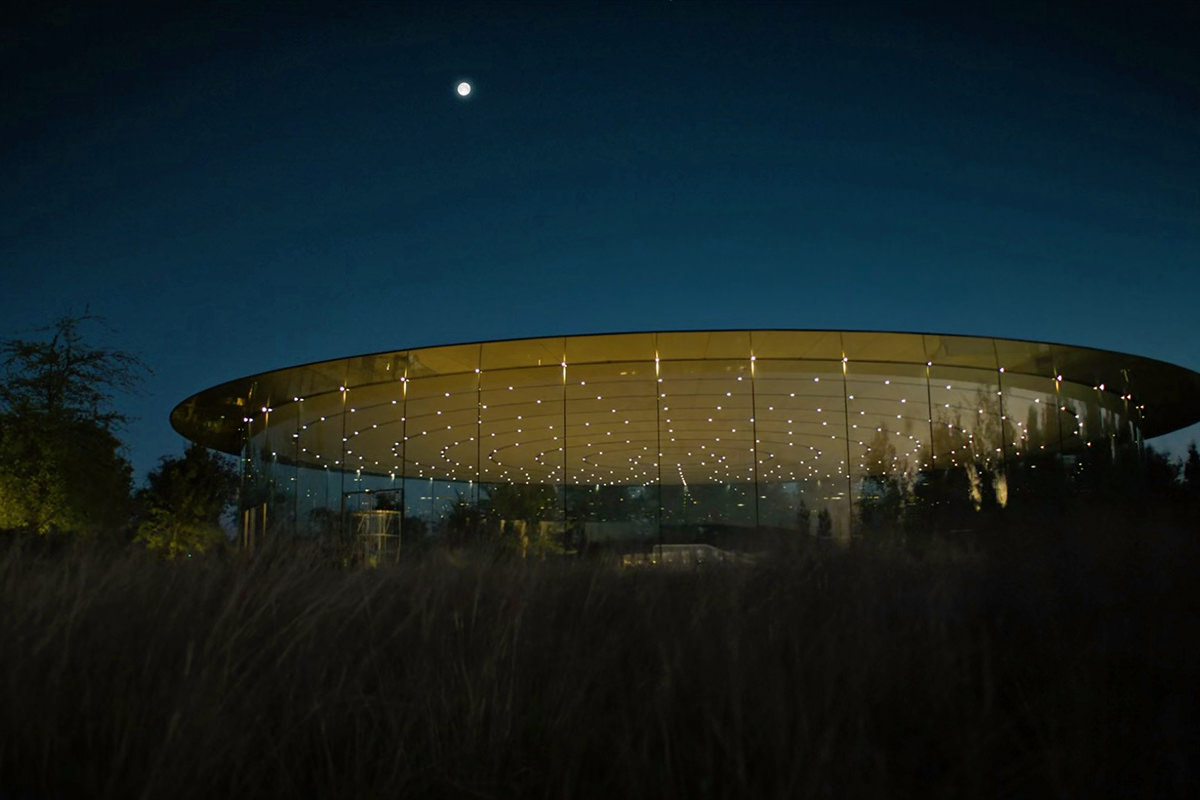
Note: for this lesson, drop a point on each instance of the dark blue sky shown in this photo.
(239, 187)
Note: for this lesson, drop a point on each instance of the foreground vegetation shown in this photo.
(63, 470)
(1059, 663)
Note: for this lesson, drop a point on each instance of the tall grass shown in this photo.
(1063, 665)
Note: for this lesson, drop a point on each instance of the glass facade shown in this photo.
(740, 440)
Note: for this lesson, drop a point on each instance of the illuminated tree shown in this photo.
(61, 475)
(61, 468)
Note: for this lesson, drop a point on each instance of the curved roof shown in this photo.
(1168, 395)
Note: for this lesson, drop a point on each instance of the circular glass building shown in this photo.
(729, 438)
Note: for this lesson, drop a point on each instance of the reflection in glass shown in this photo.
(968, 454)
(888, 422)
(521, 462)
(440, 446)
(612, 454)
(801, 429)
(708, 452)
(1032, 439)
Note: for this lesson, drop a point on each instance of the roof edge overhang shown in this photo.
(215, 416)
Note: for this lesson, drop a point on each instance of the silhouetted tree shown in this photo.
(804, 518)
(610, 503)
(386, 501)
(824, 524)
(1161, 474)
(465, 523)
(1191, 470)
(883, 491)
(519, 508)
(182, 506)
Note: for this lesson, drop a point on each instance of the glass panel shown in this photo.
(796, 345)
(431, 509)
(374, 430)
(441, 421)
(522, 353)
(960, 351)
(362, 371)
(521, 460)
(612, 455)
(880, 347)
(1123, 429)
(1031, 438)
(800, 424)
(967, 464)
(313, 379)
(442, 360)
(708, 463)
(704, 345)
(317, 506)
(257, 492)
(319, 439)
(1027, 358)
(374, 520)
(890, 458)
(1111, 414)
(521, 408)
(1073, 401)
(625, 347)
(373, 433)
(266, 487)
(420, 512)
(523, 518)
(278, 451)
(1096, 432)
(440, 447)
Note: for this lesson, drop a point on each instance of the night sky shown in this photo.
(240, 187)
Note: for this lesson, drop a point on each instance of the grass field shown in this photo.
(1060, 664)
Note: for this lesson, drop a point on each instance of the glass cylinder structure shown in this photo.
(733, 439)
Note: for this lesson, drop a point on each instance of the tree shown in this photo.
(61, 467)
(467, 523)
(1191, 470)
(65, 377)
(519, 510)
(824, 524)
(804, 518)
(65, 476)
(1160, 473)
(182, 506)
(884, 490)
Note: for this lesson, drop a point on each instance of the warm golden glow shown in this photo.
(790, 416)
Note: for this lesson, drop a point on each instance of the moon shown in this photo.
(463, 88)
